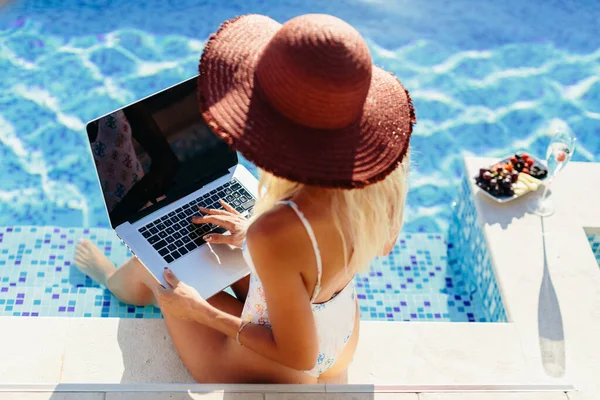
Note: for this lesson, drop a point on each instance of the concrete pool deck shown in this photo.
(548, 347)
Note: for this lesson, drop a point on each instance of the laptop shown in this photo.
(157, 161)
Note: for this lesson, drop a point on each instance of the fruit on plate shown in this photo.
(513, 176)
(497, 180)
(524, 163)
(526, 183)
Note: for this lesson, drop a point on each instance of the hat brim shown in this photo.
(236, 109)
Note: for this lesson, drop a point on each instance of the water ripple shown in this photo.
(487, 102)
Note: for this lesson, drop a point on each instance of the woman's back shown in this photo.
(315, 252)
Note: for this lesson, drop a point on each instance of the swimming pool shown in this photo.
(485, 80)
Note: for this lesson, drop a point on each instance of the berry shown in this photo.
(561, 156)
(500, 178)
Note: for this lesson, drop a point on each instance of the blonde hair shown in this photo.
(367, 218)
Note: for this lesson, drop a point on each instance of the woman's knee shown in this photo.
(212, 366)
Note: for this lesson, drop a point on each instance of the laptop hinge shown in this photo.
(173, 197)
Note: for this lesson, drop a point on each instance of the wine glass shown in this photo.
(560, 150)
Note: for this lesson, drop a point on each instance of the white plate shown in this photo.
(506, 199)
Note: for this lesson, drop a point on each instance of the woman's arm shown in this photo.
(278, 257)
(184, 302)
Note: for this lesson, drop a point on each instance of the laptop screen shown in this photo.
(154, 152)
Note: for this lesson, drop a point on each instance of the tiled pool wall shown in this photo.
(594, 239)
(415, 283)
(38, 279)
(426, 277)
(468, 252)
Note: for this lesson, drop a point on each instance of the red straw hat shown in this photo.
(304, 101)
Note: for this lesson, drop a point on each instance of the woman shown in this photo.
(330, 133)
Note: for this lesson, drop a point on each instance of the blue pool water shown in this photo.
(486, 78)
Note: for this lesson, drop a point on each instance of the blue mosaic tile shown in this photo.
(38, 279)
(594, 239)
(415, 282)
(468, 254)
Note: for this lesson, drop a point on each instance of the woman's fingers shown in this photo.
(171, 278)
(212, 211)
(219, 220)
(218, 238)
(227, 207)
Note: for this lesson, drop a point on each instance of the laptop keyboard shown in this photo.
(174, 235)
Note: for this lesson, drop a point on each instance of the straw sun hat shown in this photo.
(304, 101)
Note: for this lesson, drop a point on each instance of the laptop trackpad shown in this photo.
(211, 268)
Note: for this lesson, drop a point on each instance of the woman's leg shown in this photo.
(129, 283)
(209, 355)
(240, 288)
(212, 357)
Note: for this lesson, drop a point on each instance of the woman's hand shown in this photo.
(229, 219)
(183, 301)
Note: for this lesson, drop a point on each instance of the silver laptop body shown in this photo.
(156, 161)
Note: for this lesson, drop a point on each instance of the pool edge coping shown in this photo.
(282, 388)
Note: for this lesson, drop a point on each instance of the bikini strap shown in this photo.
(313, 239)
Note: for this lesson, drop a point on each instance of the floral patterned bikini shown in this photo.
(334, 318)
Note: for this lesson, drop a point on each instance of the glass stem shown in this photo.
(546, 187)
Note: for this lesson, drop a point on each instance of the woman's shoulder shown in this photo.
(273, 226)
(274, 236)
